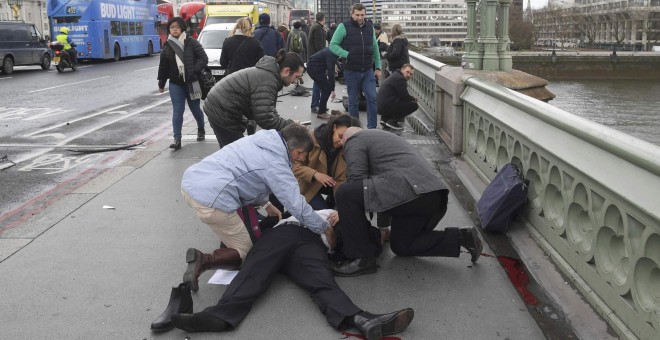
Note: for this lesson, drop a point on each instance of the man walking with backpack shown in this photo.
(297, 41)
(270, 39)
(316, 43)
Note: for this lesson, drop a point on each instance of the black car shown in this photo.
(22, 44)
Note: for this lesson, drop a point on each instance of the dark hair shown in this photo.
(298, 136)
(357, 7)
(297, 24)
(377, 26)
(320, 16)
(339, 120)
(291, 60)
(178, 20)
(407, 65)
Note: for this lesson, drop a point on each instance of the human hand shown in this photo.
(273, 211)
(324, 179)
(332, 95)
(377, 73)
(161, 90)
(331, 237)
(333, 219)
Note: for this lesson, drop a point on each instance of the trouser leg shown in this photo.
(258, 270)
(413, 223)
(396, 111)
(223, 135)
(309, 268)
(178, 95)
(355, 228)
(368, 85)
(196, 110)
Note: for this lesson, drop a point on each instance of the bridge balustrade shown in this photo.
(593, 194)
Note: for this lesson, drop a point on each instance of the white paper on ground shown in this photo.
(222, 277)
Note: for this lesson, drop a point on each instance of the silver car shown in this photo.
(212, 37)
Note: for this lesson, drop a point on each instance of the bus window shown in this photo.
(115, 29)
(124, 28)
(131, 27)
(138, 28)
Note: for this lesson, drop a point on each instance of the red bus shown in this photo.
(194, 15)
(296, 14)
(165, 13)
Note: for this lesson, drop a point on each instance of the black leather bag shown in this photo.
(206, 81)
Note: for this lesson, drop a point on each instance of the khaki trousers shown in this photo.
(228, 226)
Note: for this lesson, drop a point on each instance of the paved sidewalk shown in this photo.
(98, 273)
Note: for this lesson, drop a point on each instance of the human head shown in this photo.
(244, 26)
(396, 30)
(64, 30)
(407, 70)
(358, 12)
(291, 65)
(333, 26)
(176, 26)
(349, 133)
(297, 25)
(320, 18)
(264, 19)
(377, 27)
(336, 127)
(299, 141)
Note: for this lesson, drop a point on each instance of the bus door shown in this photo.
(106, 42)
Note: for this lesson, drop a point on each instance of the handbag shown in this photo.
(206, 80)
(503, 199)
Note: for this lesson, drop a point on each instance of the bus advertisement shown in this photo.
(165, 13)
(105, 29)
(297, 14)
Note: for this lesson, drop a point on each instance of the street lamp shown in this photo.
(15, 7)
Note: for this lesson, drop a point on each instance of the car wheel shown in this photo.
(8, 65)
(150, 49)
(117, 52)
(45, 61)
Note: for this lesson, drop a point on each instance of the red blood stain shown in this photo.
(518, 276)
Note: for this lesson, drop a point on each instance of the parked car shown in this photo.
(212, 37)
(22, 44)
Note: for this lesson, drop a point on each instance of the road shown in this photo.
(44, 113)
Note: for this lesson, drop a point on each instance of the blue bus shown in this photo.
(107, 29)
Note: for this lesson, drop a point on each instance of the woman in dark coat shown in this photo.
(181, 59)
(241, 50)
(397, 51)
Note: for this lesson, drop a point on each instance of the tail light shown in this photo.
(57, 52)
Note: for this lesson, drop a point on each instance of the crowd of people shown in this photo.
(313, 188)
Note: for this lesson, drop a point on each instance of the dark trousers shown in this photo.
(296, 252)
(321, 80)
(223, 135)
(396, 111)
(412, 226)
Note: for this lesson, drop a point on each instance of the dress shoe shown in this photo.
(176, 145)
(384, 235)
(180, 302)
(199, 322)
(375, 326)
(356, 267)
(468, 238)
(201, 135)
(198, 262)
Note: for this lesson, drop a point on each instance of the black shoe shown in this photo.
(356, 267)
(176, 145)
(180, 302)
(315, 109)
(199, 322)
(468, 238)
(201, 135)
(375, 326)
(393, 124)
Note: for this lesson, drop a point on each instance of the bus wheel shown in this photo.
(117, 52)
(8, 65)
(150, 49)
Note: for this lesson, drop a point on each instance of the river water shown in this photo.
(630, 106)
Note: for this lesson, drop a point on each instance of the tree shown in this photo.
(520, 32)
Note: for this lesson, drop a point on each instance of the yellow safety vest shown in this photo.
(62, 39)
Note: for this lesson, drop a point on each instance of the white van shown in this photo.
(22, 44)
(212, 37)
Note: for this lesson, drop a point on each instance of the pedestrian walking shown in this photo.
(316, 43)
(296, 42)
(355, 41)
(240, 50)
(181, 59)
(270, 39)
(397, 51)
(251, 94)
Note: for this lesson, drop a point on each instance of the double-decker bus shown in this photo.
(105, 29)
(296, 14)
(165, 13)
(193, 13)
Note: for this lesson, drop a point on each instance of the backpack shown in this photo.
(503, 199)
(296, 42)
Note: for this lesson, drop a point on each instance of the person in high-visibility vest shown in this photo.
(69, 45)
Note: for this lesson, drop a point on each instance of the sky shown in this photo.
(535, 3)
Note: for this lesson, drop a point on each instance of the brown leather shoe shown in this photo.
(198, 262)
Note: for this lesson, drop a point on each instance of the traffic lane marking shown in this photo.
(69, 84)
(75, 120)
(144, 69)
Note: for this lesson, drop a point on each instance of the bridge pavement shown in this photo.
(96, 273)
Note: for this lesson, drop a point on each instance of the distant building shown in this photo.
(32, 11)
(369, 5)
(335, 10)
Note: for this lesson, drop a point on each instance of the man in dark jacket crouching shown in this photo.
(394, 101)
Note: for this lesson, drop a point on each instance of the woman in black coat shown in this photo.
(181, 59)
(241, 50)
(397, 51)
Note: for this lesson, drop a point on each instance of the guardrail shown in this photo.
(593, 198)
